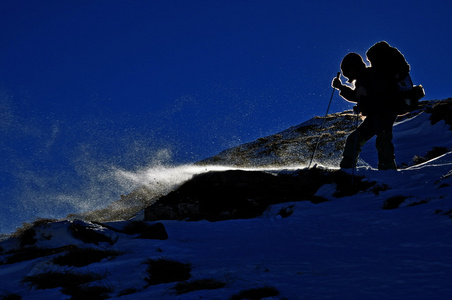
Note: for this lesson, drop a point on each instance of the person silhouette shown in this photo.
(373, 94)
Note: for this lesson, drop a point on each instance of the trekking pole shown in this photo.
(356, 144)
(323, 123)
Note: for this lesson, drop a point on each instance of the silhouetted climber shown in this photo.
(381, 92)
(373, 94)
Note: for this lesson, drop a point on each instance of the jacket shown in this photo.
(373, 93)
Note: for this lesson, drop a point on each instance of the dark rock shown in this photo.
(442, 110)
(90, 233)
(435, 152)
(256, 293)
(155, 231)
(167, 270)
(318, 199)
(27, 238)
(394, 202)
(348, 185)
(238, 194)
(286, 211)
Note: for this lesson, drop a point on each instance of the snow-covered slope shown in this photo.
(392, 240)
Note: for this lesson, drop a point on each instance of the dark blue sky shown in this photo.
(85, 85)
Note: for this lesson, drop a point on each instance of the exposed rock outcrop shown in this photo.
(236, 194)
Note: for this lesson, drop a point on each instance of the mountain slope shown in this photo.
(296, 145)
(420, 135)
(389, 239)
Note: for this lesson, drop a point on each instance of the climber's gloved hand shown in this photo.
(337, 84)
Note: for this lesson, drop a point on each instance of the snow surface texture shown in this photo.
(393, 241)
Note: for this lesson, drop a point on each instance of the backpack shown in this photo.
(393, 66)
(408, 95)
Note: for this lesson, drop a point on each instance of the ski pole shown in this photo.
(323, 123)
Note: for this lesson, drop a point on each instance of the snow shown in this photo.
(415, 136)
(346, 248)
